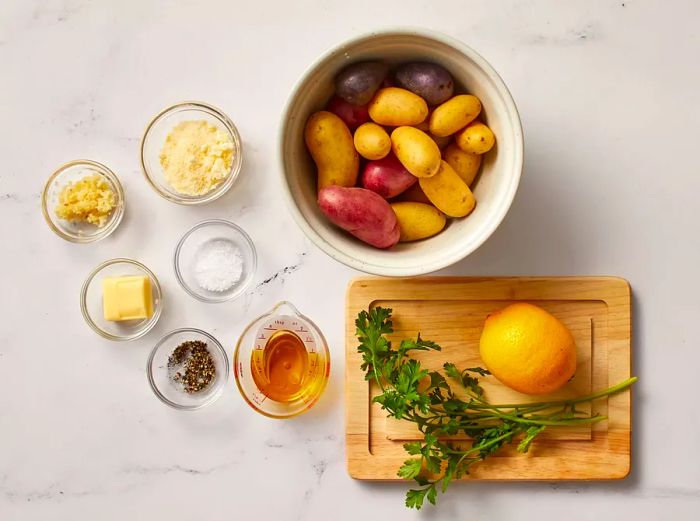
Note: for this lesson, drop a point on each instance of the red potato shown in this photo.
(387, 177)
(352, 115)
(362, 213)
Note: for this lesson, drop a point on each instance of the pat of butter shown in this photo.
(127, 298)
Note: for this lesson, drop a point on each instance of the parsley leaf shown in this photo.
(410, 468)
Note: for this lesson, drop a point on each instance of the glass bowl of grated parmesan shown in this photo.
(215, 261)
(191, 153)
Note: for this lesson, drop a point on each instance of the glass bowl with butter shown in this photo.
(191, 153)
(121, 299)
(83, 201)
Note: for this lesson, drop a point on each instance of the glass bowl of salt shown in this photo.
(215, 261)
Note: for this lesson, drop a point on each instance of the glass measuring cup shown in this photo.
(257, 359)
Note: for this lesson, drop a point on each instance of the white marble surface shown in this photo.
(609, 97)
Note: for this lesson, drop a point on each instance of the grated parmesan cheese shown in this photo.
(196, 157)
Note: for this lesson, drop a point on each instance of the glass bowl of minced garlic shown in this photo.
(191, 153)
(83, 201)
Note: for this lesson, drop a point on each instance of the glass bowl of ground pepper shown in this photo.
(191, 153)
(83, 201)
(188, 369)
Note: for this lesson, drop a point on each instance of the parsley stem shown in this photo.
(571, 401)
(488, 444)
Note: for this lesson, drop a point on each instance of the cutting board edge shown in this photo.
(615, 291)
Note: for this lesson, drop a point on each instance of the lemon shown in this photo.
(528, 349)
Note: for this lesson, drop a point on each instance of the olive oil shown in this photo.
(282, 363)
(281, 368)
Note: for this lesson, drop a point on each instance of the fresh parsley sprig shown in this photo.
(410, 392)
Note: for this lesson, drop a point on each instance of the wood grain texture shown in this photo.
(451, 311)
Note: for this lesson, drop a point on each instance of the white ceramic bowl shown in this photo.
(494, 189)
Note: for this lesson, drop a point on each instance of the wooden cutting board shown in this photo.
(451, 311)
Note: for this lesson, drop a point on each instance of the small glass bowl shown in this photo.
(186, 254)
(80, 232)
(154, 137)
(91, 301)
(160, 379)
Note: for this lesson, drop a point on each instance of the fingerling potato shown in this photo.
(358, 82)
(430, 81)
(441, 142)
(476, 138)
(465, 164)
(416, 151)
(387, 177)
(453, 115)
(361, 212)
(372, 141)
(331, 146)
(352, 115)
(448, 192)
(394, 107)
(418, 220)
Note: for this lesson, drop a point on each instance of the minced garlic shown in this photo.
(196, 157)
(90, 199)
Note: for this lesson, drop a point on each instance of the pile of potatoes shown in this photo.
(418, 145)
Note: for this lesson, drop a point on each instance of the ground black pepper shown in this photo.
(192, 366)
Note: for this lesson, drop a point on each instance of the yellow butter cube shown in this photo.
(127, 298)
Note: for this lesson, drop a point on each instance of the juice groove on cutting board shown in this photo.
(451, 311)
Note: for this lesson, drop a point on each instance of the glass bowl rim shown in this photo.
(214, 396)
(156, 312)
(114, 220)
(183, 239)
(227, 183)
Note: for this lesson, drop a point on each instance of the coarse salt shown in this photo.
(218, 265)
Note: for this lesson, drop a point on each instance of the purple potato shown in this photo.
(430, 81)
(358, 82)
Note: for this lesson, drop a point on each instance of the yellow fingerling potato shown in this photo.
(455, 114)
(441, 142)
(465, 164)
(394, 107)
(418, 220)
(448, 192)
(331, 146)
(416, 151)
(476, 138)
(372, 141)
